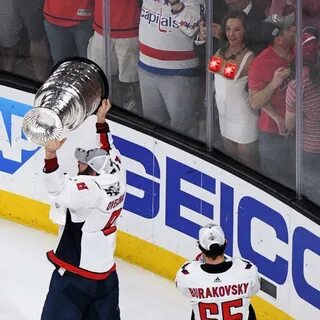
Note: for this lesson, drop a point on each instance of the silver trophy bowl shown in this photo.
(71, 94)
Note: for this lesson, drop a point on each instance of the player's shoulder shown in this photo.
(243, 264)
(187, 273)
(189, 267)
(83, 183)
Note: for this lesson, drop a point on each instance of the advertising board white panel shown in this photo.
(171, 194)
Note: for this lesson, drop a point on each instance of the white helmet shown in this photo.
(98, 159)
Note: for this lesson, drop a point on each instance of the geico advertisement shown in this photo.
(171, 194)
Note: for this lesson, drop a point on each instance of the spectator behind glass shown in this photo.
(124, 55)
(14, 15)
(268, 79)
(311, 114)
(282, 7)
(238, 122)
(219, 10)
(310, 10)
(255, 16)
(263, 4)
(169, 67)
(69, 26)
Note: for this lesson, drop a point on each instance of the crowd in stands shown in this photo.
(156, 58)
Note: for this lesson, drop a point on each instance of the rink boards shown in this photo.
(170, 194)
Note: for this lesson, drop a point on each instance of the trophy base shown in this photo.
(41, 125)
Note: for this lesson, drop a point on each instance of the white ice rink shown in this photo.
(25, 273)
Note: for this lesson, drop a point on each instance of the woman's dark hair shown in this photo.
(233, 14)
(215, 250)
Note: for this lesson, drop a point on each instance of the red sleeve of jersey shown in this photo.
(50, 165)
(103, 129)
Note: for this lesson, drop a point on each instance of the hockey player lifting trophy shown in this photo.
(71, 94)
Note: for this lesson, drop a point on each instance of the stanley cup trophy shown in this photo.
(72, 93)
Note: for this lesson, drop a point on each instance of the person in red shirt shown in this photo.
(268, 78)
(311, 113)
(69, 26)
(310, 10)
(123, 52)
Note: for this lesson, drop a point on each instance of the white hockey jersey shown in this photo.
(86, 208)
(167, 39)
(219, 296)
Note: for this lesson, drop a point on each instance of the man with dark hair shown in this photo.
(84, 284)
(214, 285)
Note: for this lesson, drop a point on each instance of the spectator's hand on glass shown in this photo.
(279, 76)
(202, 31)
(216, 30)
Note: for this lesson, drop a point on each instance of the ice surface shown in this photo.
(25, 273)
